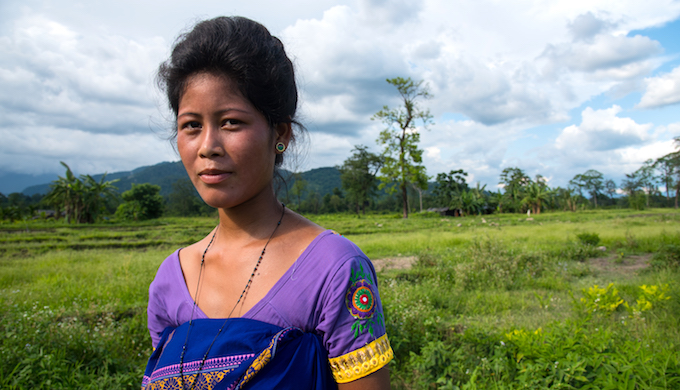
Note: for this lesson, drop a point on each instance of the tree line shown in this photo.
(393, 180)
(399, 169)
(82, 199)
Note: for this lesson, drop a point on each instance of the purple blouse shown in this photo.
(330, 290)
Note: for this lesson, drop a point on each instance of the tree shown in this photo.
(514, 180)
(468, 201)
(334, 202)
(610, 186)
(402, 158)
(535, 194)
(299, 188)
(645, 174)
(674, 160)
(358, 176)
(667, 165)
(81, 198)
(448, 184)
(65, 194)
(142, 201)
(94, 196)
(592, 181)
(567, 198)
(184, 200)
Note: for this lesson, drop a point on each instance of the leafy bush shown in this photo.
(142, 202)
(591, 239)
(668, 256)
(601, 300)
(649, 297)
(580, 252)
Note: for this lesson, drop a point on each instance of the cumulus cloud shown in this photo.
(502, 66)
(586, 26)
(468, 145)
(603, 130)
(595, 49)
(489, 70)
(606, 142)
(39, 150)
(661, 91)
(53, 75)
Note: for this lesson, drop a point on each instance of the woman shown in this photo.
(268, 299)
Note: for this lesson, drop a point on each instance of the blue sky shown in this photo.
(667, 35)
(553, 87)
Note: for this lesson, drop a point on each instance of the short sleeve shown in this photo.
(157, 317)
(352, 323)
(170, 303)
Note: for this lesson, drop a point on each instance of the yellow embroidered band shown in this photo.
(363, 361)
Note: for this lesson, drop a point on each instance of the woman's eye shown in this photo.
(232, 122)
(193, 125)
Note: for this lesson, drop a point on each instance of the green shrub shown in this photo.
(591, 239)
(580, 252)
(668, 256)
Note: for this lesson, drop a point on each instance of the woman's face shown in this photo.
(226, 145)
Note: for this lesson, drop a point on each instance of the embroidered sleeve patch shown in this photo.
(360, 300)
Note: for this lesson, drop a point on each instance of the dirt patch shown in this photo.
(404, 262)
(627, 265)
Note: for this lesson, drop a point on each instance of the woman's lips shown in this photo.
(213, 177)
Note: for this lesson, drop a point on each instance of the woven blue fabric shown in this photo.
(248, 354)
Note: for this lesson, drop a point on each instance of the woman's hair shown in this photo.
(242, 50)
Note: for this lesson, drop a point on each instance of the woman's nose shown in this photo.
(211, 144)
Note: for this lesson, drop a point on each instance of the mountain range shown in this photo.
(320, 180)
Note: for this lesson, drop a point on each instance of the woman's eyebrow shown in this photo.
(220, 112)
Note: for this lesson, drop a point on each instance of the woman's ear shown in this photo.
(284, 132)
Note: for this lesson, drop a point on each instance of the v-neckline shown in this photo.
(268, 296)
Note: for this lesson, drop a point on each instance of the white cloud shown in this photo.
(603, 130)
(433, 152)
(632, 157)
(39, 150)
(586, 26)
(606, 51)
(53, 75)
(88, 67)
(605, 142)
(467, 145)
(662, 90)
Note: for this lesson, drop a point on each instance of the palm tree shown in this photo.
(94, 195)
(80, 198)
(569, 199)
(468, 202)
(66, 193)
(534, 194)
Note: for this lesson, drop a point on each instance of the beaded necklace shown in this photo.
(198, 283)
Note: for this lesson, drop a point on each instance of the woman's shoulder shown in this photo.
(168, 273)
(333, 246)
(331, 256)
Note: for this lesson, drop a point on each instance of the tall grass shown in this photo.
(492, 302)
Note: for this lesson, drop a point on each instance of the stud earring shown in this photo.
(280, 147)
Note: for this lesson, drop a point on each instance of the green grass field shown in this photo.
(499, 302)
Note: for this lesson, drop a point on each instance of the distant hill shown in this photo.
(15, 182)
(321, 180)
(162, 174)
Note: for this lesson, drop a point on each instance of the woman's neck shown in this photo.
(253, 219)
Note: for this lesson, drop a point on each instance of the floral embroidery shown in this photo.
(360, 300)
